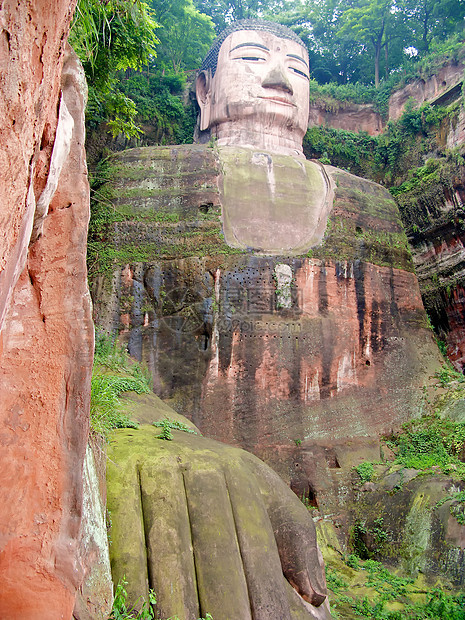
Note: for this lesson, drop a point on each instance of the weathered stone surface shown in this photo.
(437, 237)
(32, 44)
(95, 595)
(434, 87)
(348, 116)
(456, 130)
(47, 334)
(347, 357)
(419, 535)
(211, 529)
(295, 200)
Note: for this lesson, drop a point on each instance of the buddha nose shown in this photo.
(277, 79)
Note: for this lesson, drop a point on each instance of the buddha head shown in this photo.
(253, 88)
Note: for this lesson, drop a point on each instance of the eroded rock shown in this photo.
(211, 529)
(347, 359)
(48, 333)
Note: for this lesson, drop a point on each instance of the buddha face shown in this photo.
(260, 78)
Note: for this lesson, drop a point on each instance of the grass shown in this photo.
(123, 611)
(168, 424)
(113, 374)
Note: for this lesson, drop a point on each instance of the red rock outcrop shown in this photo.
(349, 116)
(342, 352)
(47, 334)
(421, 90)
(32, 42)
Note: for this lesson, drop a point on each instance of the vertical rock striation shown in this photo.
(340, 350)
(46, 335)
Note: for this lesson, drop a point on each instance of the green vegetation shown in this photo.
(367, 589)
(422, 196)
(135, 54)
(393, 156)
(376, 532)
(431, 443)
(110, 37)
(122, 611)
(365, 471)
(434, 442)
(167, 425)
(157, 99)
(114, 373)
(362, 40)
(142, 610)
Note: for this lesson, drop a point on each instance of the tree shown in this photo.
(340, 56)
(430, 18)
(185, 35)
(108, 36)
(374, 23)
(223, 12)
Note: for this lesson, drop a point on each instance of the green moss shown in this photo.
(370, 589)
(417, 534)
(346, 241)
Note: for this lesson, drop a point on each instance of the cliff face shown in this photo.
(46, 336)
(349, 116)
(32, 46)
(264, 351)
(437, 87)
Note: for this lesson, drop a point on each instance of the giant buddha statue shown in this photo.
(254, 100)
(273, 298)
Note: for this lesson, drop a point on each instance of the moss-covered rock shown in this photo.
(211, 529)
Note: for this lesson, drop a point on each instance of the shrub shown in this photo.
(114, 373)
(365, 471)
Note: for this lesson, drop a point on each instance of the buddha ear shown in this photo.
(203, 92)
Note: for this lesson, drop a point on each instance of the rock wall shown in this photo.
(341, 352)
(33, 36)
(349, 116)
(421, 533)
(436, 233)
(435, 87)
(95, 595)
(441, 88)
(47, 334)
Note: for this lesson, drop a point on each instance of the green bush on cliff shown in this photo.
(370, 590)
(113, 374)
(158, 101)
(431, 441)
(440, 606)
(365, 471)
(109, 37)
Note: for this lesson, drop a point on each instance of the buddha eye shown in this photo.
(299, 72)
(252, 58)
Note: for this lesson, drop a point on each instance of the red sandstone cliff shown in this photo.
(46, 336)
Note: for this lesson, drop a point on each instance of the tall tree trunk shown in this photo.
(378, 44)
(377, 54)
(386, 67)
(425, 26)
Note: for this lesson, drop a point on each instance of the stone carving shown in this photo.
(210, 528)
(253, 92)
(261, 342)
(253, 88)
